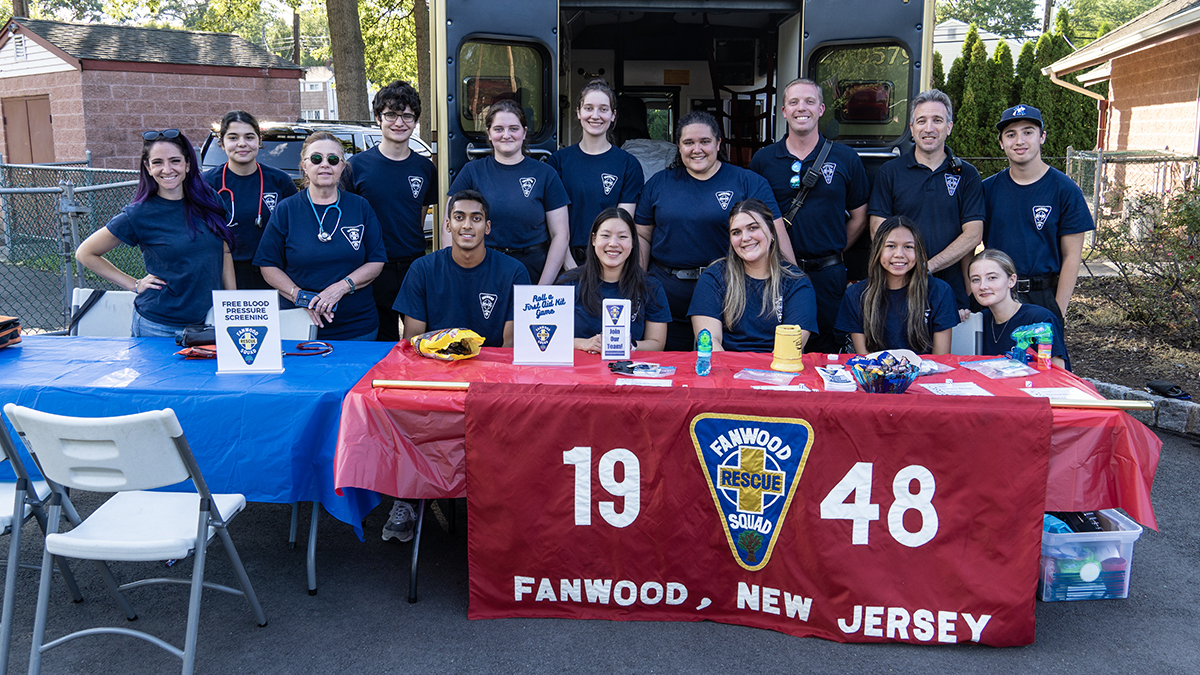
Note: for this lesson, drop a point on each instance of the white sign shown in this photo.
(614, 338)
(544, 325)
(247, 327)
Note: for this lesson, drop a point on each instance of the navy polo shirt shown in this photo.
(998, 340)
(819, 229)
(290, 243)
(651, 307)
(249, 204)
(755, 332)
(518, 197)
(190, 266)
(444, 294)
(398, 192)
(595, 183)
(942, 313)
(1025, 221)
(691, 216)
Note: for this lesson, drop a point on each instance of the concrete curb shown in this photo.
(1182, 417)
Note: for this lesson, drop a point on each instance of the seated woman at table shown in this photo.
(899, 306)
(178, 223)
(326, 242)
(610, 271)
(993, 278)
(743, 297)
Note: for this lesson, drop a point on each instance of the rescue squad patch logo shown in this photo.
(1040, 215)
(527, 185)
(827, 170)
(542, 334)
(723, 198)
(753, 465)
(608, 181)
(487, 302)
(247, 339)
(415, 182)
(614, 313)
(951, 183)
(353, 235)
(271, 199)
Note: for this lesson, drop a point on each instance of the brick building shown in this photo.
(66, 88)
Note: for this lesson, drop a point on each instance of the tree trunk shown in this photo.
(1048, 16)
(424, 86)
(296, 35)
(349, 65)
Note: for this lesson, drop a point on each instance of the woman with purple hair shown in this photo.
(178, 223)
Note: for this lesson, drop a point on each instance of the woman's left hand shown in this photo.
(328, 298)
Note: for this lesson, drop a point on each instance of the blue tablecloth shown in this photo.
(269, 437)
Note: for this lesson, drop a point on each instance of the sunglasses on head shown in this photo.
(153, 135)
(316, 158)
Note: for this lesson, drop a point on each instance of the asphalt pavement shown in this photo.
(360, 620)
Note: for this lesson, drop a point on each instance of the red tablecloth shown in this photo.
(410, 443)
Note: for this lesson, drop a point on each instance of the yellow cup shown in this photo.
(787, 349)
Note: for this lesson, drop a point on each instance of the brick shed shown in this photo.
(66, 88)
(1152, 65)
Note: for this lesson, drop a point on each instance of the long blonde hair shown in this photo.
(735, 269)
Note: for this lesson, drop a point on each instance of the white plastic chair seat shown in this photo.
(133, 526)
(8, 494)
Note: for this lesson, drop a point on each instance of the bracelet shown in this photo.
(292, 293)
(351, 284)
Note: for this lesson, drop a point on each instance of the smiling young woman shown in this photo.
(993, 279)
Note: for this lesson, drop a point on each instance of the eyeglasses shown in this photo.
(391, 117)
(153, 135)
(316, 158)
(795, 182)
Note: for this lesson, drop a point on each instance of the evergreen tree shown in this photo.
(969, 138)
(956, 81)
(1025, 66)
(938, 74)
(1001, 77)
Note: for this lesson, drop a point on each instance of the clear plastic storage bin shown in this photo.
(1089, 565)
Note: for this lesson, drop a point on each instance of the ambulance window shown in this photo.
(493, 71)
(866, 91)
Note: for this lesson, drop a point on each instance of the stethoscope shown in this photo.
(232, 206)
(322, 235)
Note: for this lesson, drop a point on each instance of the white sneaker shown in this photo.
(402, 521)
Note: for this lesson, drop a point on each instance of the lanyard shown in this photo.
(232, 207)
(322, 235)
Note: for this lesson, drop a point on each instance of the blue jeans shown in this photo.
(143, 327)
(369, 337)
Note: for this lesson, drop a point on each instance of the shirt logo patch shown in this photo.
(723, 198)
(752, 466)
(487, 302)
(609, 181)
(614, 313)
(415, 182)
(951, 183)
(542, 334)
(527, 185)
(247, 339)
(827, 170)
(1040, 215)
(354, 235)
(271, 199)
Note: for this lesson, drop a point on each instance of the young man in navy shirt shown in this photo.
(1036, 214)
(940, 192)
(399, 185)
(834, 212)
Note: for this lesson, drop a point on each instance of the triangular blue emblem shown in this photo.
(543, 333)
(247, 339)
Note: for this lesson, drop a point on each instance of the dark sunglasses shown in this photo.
(795, 182)
(316, 158)
(153, 135)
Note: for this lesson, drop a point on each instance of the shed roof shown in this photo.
(1153, 25)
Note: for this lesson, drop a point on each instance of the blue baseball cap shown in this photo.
(1018, 113)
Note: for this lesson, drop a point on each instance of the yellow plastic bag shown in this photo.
(450, 344)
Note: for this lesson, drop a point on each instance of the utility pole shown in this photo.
(1047, 16)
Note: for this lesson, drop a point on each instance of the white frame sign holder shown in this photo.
(247, 328)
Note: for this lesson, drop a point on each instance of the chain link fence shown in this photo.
(1130, 186)
(45, 211)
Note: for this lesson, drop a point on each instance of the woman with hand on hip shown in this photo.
(178, 223)
(323, 245)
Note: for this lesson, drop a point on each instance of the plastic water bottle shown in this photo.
(704, 353)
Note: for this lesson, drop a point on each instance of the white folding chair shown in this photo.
(111, 316)
(966, 338)
(296, 324)
(128, 455)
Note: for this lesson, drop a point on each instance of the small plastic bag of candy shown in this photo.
(449, 344)
(883, 373)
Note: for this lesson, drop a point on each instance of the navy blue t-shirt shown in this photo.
(249, 204)
(1025, 221)
(595, 183)
(398, 193)
(444, 294)
(997, 337)
(518, 198)
(191, 267)
(754, 332)
(942, 314)
(691, 217)
(652, 307)
(290, 243)
(819, 228)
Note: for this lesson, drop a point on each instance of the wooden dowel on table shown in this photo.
(418, 384)
(1102, 403)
